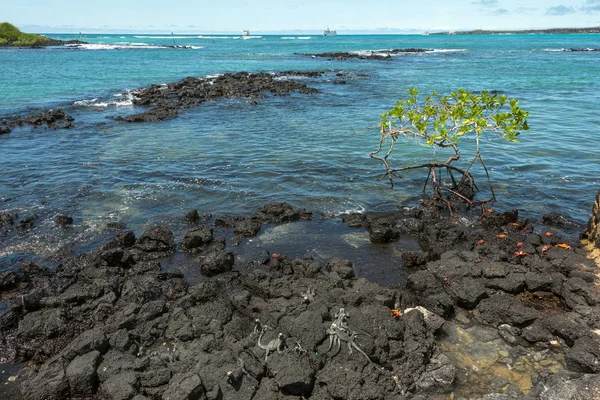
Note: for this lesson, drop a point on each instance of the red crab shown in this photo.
(446, 280)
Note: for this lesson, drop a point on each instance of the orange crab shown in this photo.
(396, 313)
(275, 256)
(563, 246)
(549, 234)
(521, 253)
(520, 244)
(501, 236)
(490, 211)
(480, 242)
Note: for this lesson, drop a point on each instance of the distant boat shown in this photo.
(245, 32)
(425, 33)
(329, 32)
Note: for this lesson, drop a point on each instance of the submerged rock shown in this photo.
(63, 220)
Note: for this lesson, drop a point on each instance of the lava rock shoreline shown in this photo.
(112, 324)
(165, 100)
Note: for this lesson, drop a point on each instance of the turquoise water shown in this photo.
(310, 150)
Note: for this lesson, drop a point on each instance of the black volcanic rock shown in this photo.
(106, 324)
(165, 100)
(63, 220)
(52, 119)
(384, 55)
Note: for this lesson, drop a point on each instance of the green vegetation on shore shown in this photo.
(10, 35)
(524, 31)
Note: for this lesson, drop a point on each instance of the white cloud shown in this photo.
(501, 11)
(591, 6)
(486, 3)
(560, 10)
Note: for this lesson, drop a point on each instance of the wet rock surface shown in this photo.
(166, 100)
(114, 324)
(52, 119)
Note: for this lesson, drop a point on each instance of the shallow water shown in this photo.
(312, 151)
(487, 364)
(324, 240)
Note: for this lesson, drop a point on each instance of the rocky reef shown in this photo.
(165, 100)
(52, 119)
(366, 55)
(114, 324)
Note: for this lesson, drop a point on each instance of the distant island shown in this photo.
(11, 36)
(524, 31)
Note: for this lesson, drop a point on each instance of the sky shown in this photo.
(285, 16)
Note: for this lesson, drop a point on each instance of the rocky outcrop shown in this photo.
(165, 100)
(593, 228)
(112, 323)
(384, 55)
(52, 119)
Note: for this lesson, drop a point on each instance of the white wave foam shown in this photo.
(90, 103)
(449, 50)
(217, 37)
(161, 37)
(251, 37)
(393, 52)
(296, 37)
(573, 50)
(99, 46)
(123, 100)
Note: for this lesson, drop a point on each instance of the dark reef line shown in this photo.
(522, 31)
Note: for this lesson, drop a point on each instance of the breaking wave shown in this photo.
(122, 100)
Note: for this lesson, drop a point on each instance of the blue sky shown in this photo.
(274, 16)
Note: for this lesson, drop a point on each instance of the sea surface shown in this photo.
(231, 156)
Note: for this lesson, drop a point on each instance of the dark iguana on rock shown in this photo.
(340, 332)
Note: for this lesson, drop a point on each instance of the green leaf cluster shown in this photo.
(10, 34)
(445, 120)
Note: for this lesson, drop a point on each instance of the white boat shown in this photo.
(245, 32)
(329, 32)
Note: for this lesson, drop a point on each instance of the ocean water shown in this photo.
(230, 156)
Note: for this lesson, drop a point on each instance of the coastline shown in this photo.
(161, 314)
(523, 31)
(115, 320)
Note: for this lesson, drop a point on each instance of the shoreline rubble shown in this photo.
(113, 324)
